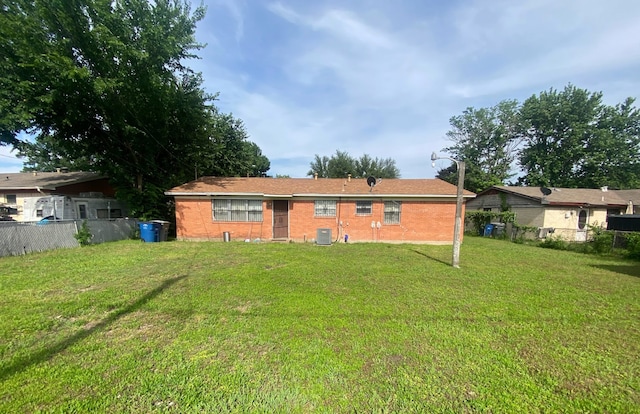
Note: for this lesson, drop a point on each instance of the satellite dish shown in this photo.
(545, 191)
(371, 181)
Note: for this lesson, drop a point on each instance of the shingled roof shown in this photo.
(44, 180)
(573, 196)
(300, 187)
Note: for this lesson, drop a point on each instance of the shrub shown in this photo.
(602, 240)
(633, 245)
(479, 219)
(521, 233)
(554, 243)
(83, 235)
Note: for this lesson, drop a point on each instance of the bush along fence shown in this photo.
(22, 238)
(476, 222)
(598, 240)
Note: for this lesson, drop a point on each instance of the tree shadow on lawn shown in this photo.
(49, 352)
(630, 270)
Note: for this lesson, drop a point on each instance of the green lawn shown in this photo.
(245, 327)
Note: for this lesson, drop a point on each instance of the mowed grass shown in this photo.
(246, 327)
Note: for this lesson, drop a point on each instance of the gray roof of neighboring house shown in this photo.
(573, 196)
(44, 180)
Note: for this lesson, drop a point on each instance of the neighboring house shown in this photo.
(566, 212)
(60, 195)
(306, 209)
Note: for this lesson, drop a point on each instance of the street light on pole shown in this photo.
(455, 262)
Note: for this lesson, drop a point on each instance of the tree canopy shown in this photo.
(565, 138)
(487, 140)
(572, 139)
(341, 164)
(102, 85)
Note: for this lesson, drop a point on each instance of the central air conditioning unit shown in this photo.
(324, 237)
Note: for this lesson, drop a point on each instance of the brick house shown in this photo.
(393, 210)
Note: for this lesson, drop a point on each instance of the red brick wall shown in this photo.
(194, 220)
(420, 221)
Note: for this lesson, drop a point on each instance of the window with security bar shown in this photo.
(392, 210)
(363, 208)
(237, 210)
(325, 208)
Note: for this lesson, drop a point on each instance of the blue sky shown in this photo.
(383, 78)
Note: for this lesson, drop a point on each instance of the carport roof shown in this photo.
(44, 180)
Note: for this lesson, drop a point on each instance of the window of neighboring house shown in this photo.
(582, 219)
(363, 208)
(11, 198)
(325, 208)
(237, 210)
(392, 210)
(38, 213)
(486, 209)
(82, 209)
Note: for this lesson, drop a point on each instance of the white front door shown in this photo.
(581, 231)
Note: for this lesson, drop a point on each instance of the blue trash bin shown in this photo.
(488, 230)
(150, 232)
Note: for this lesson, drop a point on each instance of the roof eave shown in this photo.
(35, 187)
(337, 195)
(209, 194)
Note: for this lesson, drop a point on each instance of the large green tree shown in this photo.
(341, 164)
(44, 154)
(565, 138)
(558, 125)
(487, 139)
(228, 152)
(572, 139)
(612, 154)
(104, 81)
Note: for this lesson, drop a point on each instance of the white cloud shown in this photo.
(234, 8)
(540, 44)
(384, 78)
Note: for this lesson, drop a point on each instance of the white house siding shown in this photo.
(20, 203)
(565, 220)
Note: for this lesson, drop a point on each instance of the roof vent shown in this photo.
(605, 188)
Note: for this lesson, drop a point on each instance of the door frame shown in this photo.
(273, 217)
(581, 233)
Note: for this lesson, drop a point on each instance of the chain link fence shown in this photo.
(21, 238)
(620, 239)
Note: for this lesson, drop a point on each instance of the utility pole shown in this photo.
(457, 225)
